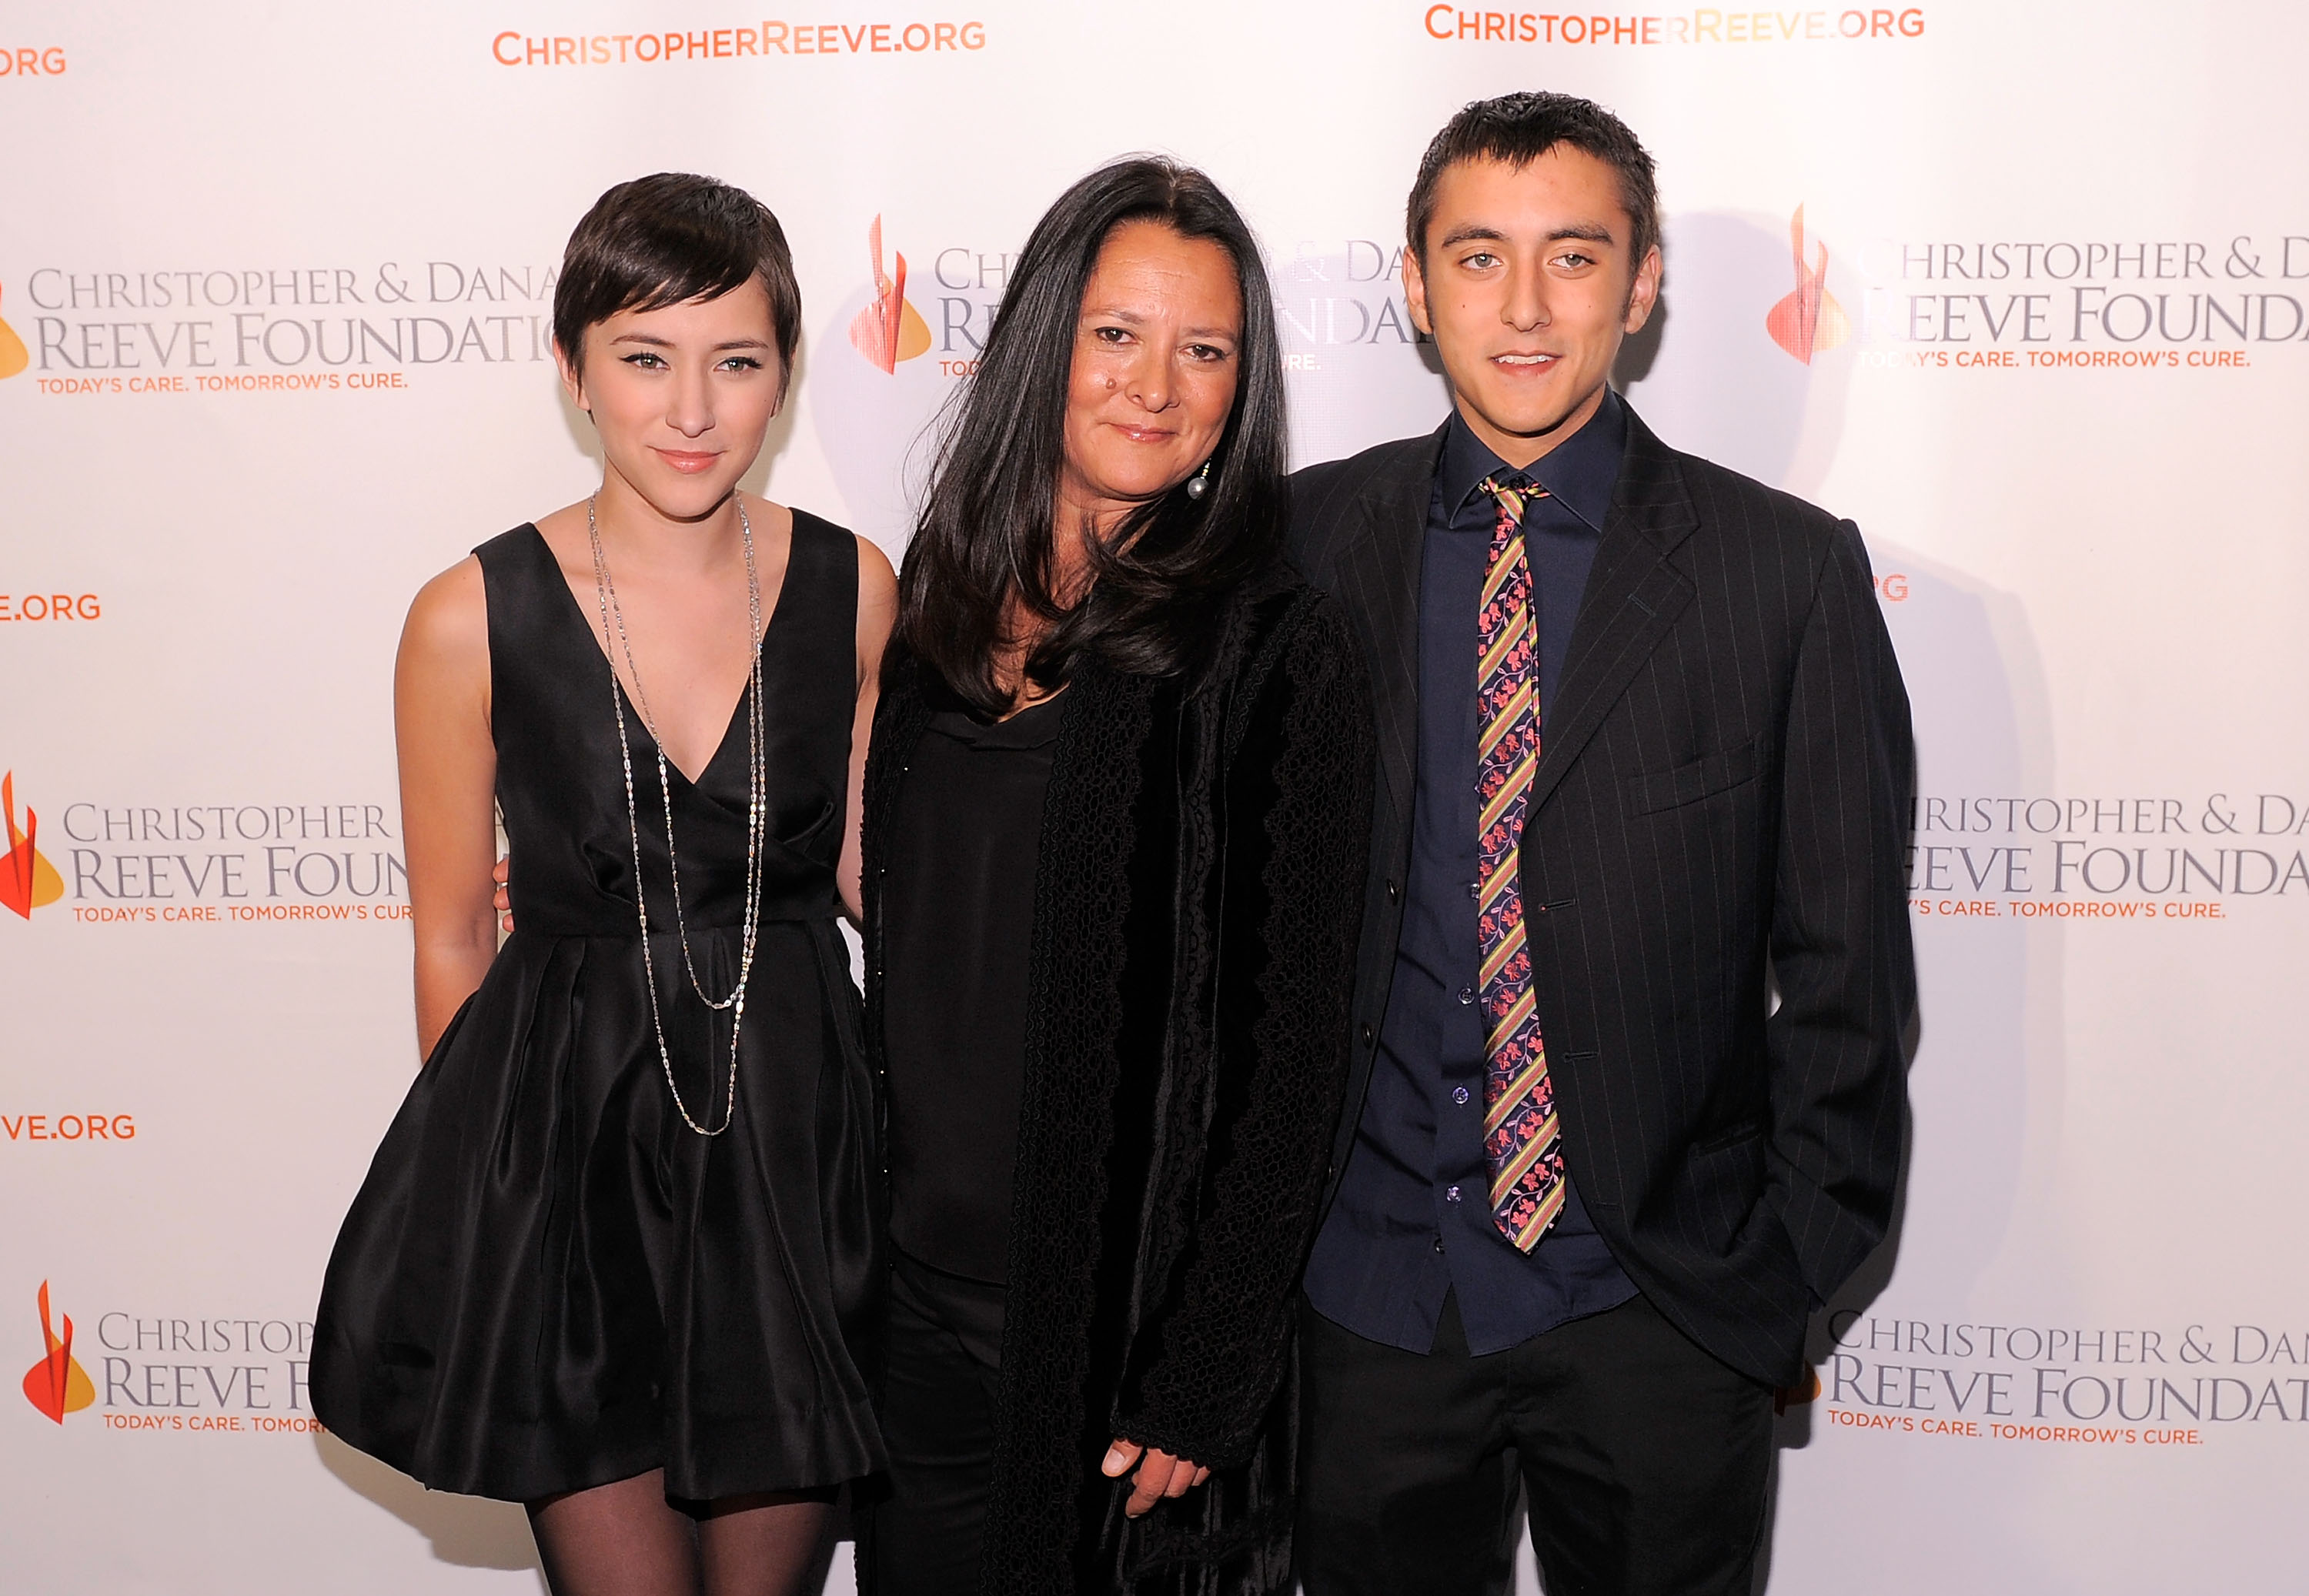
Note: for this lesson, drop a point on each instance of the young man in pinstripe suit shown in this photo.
(1644, 752)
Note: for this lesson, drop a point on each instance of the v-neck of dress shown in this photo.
(633, 710)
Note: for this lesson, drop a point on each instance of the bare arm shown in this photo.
(448, 790)
(877, 611)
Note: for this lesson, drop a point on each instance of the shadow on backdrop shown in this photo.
(1987, 1063)
(1713, 375)
(1707, 375)
(470, 1532)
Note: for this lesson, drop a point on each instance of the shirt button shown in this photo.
(1438, 1244)
(1467, 994)
(1475, 889)
(1459, 1094)
(1450, 1193)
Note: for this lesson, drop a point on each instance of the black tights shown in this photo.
(625, 1539)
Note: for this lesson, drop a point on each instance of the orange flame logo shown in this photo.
(27, 879)
(889, 330)
(13, 356)
(57, 1384)
(1809, 321)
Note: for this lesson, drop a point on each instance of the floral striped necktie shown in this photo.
(1521, 1143)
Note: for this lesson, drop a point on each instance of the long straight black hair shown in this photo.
(984, 536)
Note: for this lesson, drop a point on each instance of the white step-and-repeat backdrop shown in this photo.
(274, 282)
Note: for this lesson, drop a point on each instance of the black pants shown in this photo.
(1643, 1460)
(942, 1357)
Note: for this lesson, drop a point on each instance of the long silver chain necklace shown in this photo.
(757, 813)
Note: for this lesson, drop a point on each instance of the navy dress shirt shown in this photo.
(1412, 1218)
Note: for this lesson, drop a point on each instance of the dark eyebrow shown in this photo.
(654, 342)
(1588, 231)
(1116, 314)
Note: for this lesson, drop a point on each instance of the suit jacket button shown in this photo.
(1368, 1035)
(1395, 892)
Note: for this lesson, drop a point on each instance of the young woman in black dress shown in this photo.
(611, 1258)
(1116, 817)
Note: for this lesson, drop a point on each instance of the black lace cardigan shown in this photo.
(1196, 902)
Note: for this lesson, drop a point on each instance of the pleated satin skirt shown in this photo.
(550, 1281)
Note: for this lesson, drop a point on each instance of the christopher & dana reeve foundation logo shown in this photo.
(27, 881)
(187, 1375)
(2102, 299)
(118, 863)
(290, 327)
(2057, 1382)
(2152, 858)
(57, 1384)
(889, 329)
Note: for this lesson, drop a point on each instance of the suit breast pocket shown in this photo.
(1650, 791)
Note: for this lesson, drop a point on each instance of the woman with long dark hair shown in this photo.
(1115, 820)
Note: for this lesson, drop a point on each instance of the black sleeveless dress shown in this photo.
(548, 1280)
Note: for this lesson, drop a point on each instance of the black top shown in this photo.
(1200, 855)
(1412, 1221)
(959, 903)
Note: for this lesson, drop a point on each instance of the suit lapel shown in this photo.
(1379, 571)
(1634, 595)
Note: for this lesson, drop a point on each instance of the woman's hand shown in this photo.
(501, 899)
(1159, 1475)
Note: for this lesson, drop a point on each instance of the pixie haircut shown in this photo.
(1519, 129)
(666, 240)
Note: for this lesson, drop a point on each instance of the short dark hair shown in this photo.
(1519, 129)
(985, 532)
(668, 238)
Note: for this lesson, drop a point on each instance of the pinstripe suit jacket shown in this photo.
(1721, 806)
